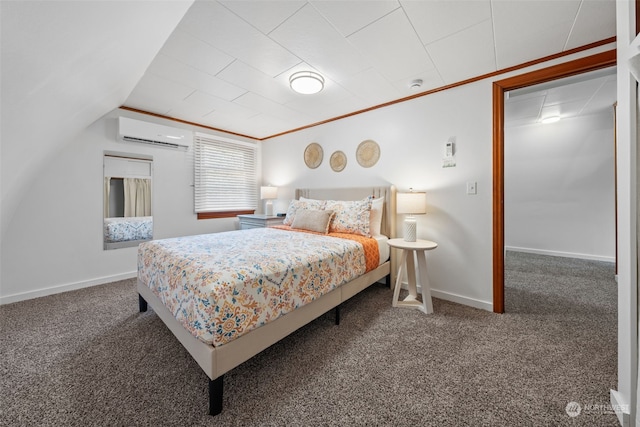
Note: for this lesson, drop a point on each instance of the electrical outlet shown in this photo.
(472, 187)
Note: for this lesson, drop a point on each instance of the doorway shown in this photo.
(572, 68)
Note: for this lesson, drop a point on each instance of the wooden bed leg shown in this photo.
(215, 395)
(142, 304)
(338, 314)
(387, 280)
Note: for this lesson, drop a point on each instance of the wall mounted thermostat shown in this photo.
(448, 151)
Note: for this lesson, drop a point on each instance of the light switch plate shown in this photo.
(472, 187)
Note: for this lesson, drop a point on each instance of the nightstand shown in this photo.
(259, 221)
(419, 248)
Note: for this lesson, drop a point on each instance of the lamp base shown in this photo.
(268, 208)
(409, 229)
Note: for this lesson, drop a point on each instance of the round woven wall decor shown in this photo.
(338, 161)
(313, 155)
(368, 153)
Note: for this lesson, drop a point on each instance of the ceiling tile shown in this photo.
(452, 55)
(203, 101)
(242, 75)
(213, 103)
(371, 86)
(596, 20)
(185, 110)
(156, 94)
(338, 108)
(178, 72)
(543, 32)
(321, 105)
(431, 79)
(577, 92)
(229, 122)
(604, 98)
(393, 47)
(528, 108)
(265, 19)
(350, 16)
(434, 20)
(266, 106)
(265, 124)
(189, 50)
(310, 37)
(218, 26)
(565, 109)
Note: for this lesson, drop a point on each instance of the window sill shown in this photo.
(228, 214)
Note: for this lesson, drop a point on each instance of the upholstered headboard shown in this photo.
(388, 227)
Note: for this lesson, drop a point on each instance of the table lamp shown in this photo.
(411, 203)
(268, 193)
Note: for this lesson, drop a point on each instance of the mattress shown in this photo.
(223, 285)
(383, 248)
(124, 229)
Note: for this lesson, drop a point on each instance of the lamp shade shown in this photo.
(268, 192)
(412, 203)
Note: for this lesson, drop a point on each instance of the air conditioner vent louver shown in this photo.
(131, 130)
(148, 141)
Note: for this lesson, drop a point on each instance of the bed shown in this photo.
(127, 231)
(217, 334)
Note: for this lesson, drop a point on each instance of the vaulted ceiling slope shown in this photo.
(64, 65)
(227, 64)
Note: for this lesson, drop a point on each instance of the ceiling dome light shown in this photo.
(306, 82)
(550, 119)
(416, 84)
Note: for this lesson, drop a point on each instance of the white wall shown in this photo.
(412, 136)
(559, 187)
(54, 242)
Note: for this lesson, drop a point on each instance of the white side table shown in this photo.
(419, 247)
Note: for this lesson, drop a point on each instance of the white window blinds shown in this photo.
(225, 175)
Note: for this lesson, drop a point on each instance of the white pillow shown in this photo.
(305, 199)
(375, 219)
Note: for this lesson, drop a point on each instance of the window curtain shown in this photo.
(107, 194)
(137, 197)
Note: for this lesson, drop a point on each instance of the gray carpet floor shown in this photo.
(88, 357)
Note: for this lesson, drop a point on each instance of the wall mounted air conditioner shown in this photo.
(131, 130)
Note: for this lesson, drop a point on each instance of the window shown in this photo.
(225, 177)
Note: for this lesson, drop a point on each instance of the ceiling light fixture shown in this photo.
(416, 84)
(306, 82)
(550, 119)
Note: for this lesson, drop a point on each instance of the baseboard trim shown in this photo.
(459, 299)
(561, 254)
(8, 299)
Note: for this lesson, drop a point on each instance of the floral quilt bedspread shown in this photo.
(223, 285)
(123, 229)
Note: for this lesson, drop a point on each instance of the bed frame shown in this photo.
(216, 361)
